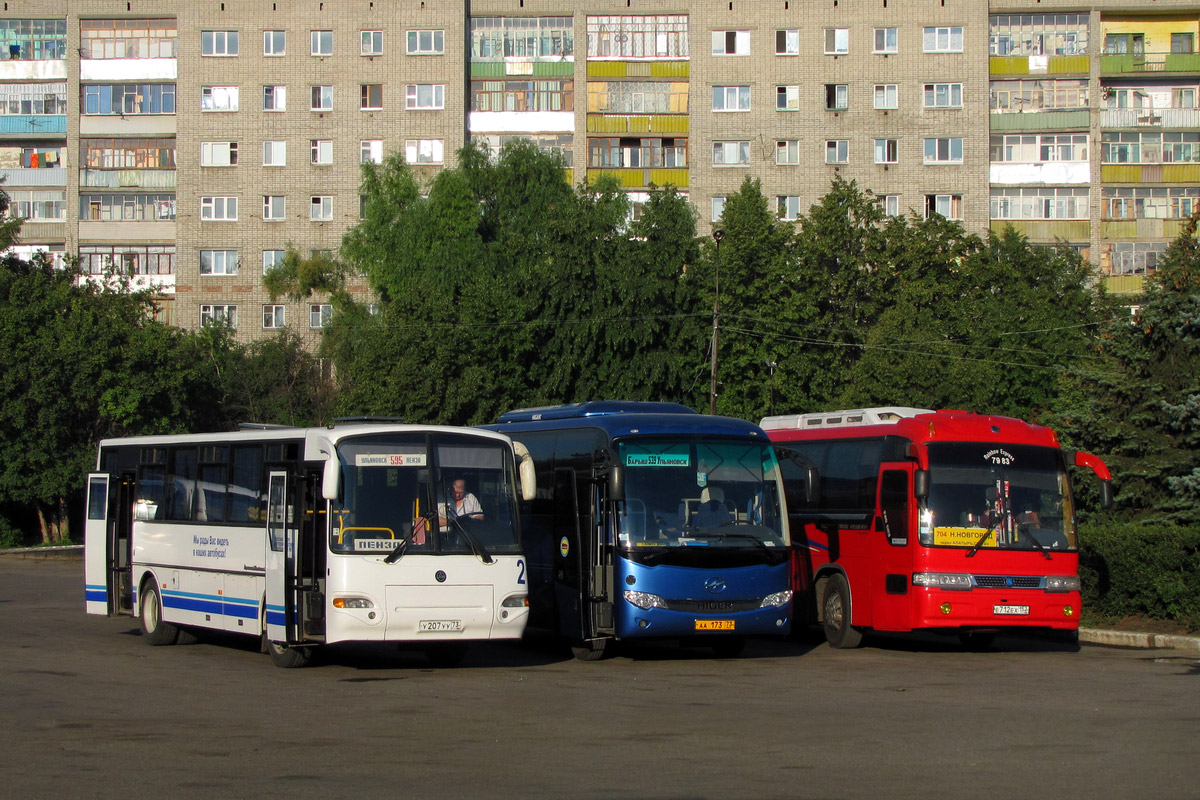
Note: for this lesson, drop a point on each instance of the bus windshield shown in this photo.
(438, 493)
(710, 494)
(984, 495)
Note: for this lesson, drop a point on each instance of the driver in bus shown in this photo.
(460, 503)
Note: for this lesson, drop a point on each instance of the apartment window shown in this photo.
(274, 208)
(426, 43)
(371, 96)
(1039, 95)
(731, 43)
(945, 205)
(887, 95)
(34, 39)
(837, 96)
(1170, 147)
(558, 144)
(39, 206)
(219, 98)
(837, 41)
(1183, 98)
(370, 151)
(127, 259)
(943, 151)
(634, 152)
(274, 98)
(218, 315)
(126, 153)
(788, 207)
(787, 98)
(787, 43)
(275, 153)
(322, 43)
(837, 151)
(423, 151)
(1149, 202)
(718, 207)
(886, 40)
(221, 209)
(731, 154)
(371, 43)
(322, 98)
(731, 98)
(218, 43)
(636, 36)
(218, 154)
(111, 207)
(321, 208)
(890, 203)
(621, 97)
(320, 315)
(1039, 202)
(272, 259)
(1038, 34)
(943, 95)
(1032, 148)
(274, 43)
(1182, 43)
(942, 40)
(274, 317)
(37, 99)
(129, 98)
(218, 262)
(886, 151)
(424, 96)
(787, 152)
(321, 151)
(127, 38)
(1134, 258)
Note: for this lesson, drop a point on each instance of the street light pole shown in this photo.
(718, 234)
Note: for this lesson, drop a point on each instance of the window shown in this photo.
(943, 151)
(1039, 202)
(637, 36)
(1038, 34)
(787, 43)
(322, 43)
(322, 98)
(423, 151)
(218, 315)
(1168, 147)
(218, 154)
(890, 203)
(837, 151)
(33, 39)
(787, 152)
(38, 99)
(1041, 95)
(39, 206)
(371, 43)
(129, 98)
(942, 40)
(558, 144)
(1183, 98)
(218, 262)
(274, 43)
(218, 43)
(219, 98)
(887, 95)
(274, 317)
(424, 95)
(321, 151)
(222, 209)
(320, 315)
(637, 152)
(631, 97)
(718, 207)
(1134, 258)
(886, 40)
(731, 43)
(127, 38)
(371, 151)
(837, 97)
(943, 95)
(787, 98)
(127, 153)
(946, 205)
(272, 259)
(275, 153)
(886, 151)
(321, 209)
(558, 95)
(1182, 43)
(788, 207)
(129, 259)
(731, 154)
(837, 41)
(1031, 148)
(112, 207)
(371, 96)
(427, 43)
(731, 98)
(274, 98)
(274, 208)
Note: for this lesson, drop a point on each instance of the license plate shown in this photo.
(440, 625)
(1014, 611)
(715, 624)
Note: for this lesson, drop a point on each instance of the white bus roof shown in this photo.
(846, 418)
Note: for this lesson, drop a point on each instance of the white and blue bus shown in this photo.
(312, 536)
(651, 520)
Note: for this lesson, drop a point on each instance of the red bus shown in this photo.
(908, 519)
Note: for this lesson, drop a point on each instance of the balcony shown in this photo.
(27, 177)
(1125, 284)
(35, 125)
(1039, 65)
(1169, 118)
(128, 69)
(636, 178)
(33, 70)
(1049, 173)
(127, 231)
(1018, 121)
(1159, 62)
(637, 123)
(1046, 230)
(127, 179)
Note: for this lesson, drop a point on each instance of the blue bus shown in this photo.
(652, 520)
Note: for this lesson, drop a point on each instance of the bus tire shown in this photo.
(729, 648)
(155, 631)
(590, 650)
(286, 657)
(837, 614)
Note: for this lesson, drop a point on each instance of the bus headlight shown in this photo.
(777, 600)
(1062, 583)
(515, 601)
(942, 580)
(352, 602)
(645, 600)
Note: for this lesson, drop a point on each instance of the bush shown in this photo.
(1132, 569)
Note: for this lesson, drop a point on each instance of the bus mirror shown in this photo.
(616, 483)
(812, 486)
(921, 483)
(527, 471)
(1106, 496)
(330, 478)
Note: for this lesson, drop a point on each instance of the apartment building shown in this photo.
(190, 144)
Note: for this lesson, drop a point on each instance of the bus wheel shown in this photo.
(449, 654)
(154, 630)
(590, 650)
(837, 614)
(729, 648)
(977, 641)
(288, 657)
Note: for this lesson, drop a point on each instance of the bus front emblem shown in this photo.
(715, 585)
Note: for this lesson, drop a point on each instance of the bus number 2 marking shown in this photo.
(521, 576)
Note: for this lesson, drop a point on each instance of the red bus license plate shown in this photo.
(1012, 611)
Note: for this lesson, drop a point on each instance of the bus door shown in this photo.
(569, 560)
(600, 571)
(107, 544)
(312, 561)
(282, 560)
(894, 530)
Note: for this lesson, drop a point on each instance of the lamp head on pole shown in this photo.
(718, 234)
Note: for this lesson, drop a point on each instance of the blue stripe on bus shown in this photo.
(211, 604)
(97, 593)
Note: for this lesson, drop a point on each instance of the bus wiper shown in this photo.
(397, 553)
(476, 546)
(1037, 544)
(746, 536)
(982, 539)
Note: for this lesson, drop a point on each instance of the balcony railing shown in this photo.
(1115, 64)
(1188, 118)
(127, 178)
(24, 176)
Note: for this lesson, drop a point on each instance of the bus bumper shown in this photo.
(637, 622)
(996, 609)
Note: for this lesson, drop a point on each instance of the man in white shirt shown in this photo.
(462, 504)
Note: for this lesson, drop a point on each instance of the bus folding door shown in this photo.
(892, 548)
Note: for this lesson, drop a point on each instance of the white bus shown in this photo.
(311, 536)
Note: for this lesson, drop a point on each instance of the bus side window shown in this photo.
(893, 505)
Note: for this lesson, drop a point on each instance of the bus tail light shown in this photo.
(942, 580)
(515, 601)
(1062, 583)
(777, 600)
(352, 602)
